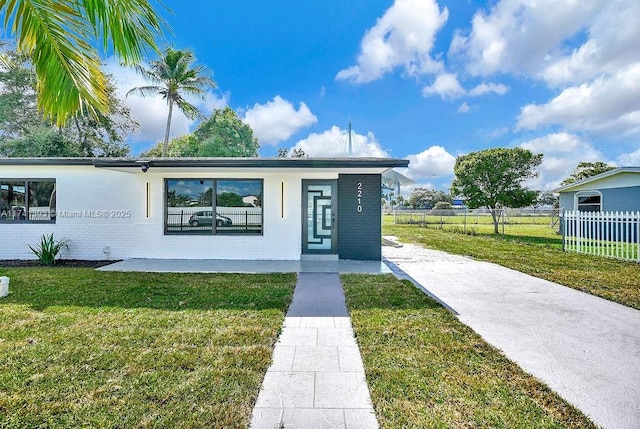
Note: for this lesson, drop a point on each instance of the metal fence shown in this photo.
(466, 220)
(609, 234)
(227, 220)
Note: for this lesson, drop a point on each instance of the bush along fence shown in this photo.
(609, 234)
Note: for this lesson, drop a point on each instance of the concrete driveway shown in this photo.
(585, 348)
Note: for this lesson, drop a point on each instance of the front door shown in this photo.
(319, 216)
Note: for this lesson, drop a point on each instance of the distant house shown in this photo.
(614, 190)
(195, 208)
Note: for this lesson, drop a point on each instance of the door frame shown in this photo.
(334, 216)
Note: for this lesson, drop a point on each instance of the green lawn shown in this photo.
(532, 250)
(80, 348)
(426, 369)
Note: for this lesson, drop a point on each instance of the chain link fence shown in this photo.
(472, 221)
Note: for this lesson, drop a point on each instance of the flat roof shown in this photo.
(215, 162)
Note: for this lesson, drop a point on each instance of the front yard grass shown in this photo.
(538, 256)
(426, 369)
(80, 348)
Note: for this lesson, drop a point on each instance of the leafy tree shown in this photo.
(172, 76)
(427, 198)
(493, 178)
(60, 38)
(223, 134)
(25, 132)
(18, 101)
(586, 169)
(177, 147)
(546, 198)
(41, 142)
(229, 199)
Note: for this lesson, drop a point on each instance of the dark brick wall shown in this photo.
(359, 230)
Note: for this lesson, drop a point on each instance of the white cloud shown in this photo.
(562, 153)
(151, 112)
(334, 143)
(446, 86)
(517, 36)
(464, 108)
(278, 119)
(608, 106)
(631, 159)
(612, 44)
(486, 88)
(432, 162)
(402, 37)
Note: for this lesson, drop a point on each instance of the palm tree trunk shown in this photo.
(166, 134)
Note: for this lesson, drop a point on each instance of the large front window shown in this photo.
(213, 206)
(23, 201)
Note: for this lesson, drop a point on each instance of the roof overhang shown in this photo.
(580, 185)
(137, 165)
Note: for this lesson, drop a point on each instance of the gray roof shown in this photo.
(216, 162)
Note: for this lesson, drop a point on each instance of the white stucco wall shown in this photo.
(87, 191)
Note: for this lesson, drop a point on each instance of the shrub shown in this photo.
(48, 249)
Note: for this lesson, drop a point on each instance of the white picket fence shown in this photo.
(609, 234)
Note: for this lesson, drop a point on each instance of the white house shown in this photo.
(194, 208)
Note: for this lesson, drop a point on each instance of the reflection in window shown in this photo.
(189, 206)
(238, 206)
(192, 209)
(27, 200)
(589, 201)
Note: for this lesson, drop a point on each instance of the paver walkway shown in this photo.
(585, 348)
(317, 378)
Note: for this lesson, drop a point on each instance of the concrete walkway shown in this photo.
(585, 348)
(317, 378)
(246, 266)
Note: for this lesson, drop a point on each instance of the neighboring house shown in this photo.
(614, 190)
(194, 208)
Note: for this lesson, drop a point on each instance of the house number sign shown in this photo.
(359, 193)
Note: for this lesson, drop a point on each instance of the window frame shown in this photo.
(582, 194)
(214, 185)
(27, 204)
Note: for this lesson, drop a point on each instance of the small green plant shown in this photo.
(48, 249)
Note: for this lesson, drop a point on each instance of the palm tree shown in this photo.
(171, 76)
(60, 38)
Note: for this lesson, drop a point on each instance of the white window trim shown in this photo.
(586, 194)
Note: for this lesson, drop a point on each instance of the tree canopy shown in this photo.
(24, 131)
(427, 198)
(223, 134)
(62, 39)
(494, 178)
(174, 76)
(586, 169)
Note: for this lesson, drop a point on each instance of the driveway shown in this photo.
(585, 348)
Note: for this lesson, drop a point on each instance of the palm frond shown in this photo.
(58, 36)
(130, 27)
(145, 91)
(189, 110)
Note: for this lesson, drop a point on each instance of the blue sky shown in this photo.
(422, 80)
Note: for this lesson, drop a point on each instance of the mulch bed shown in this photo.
(75, 263)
